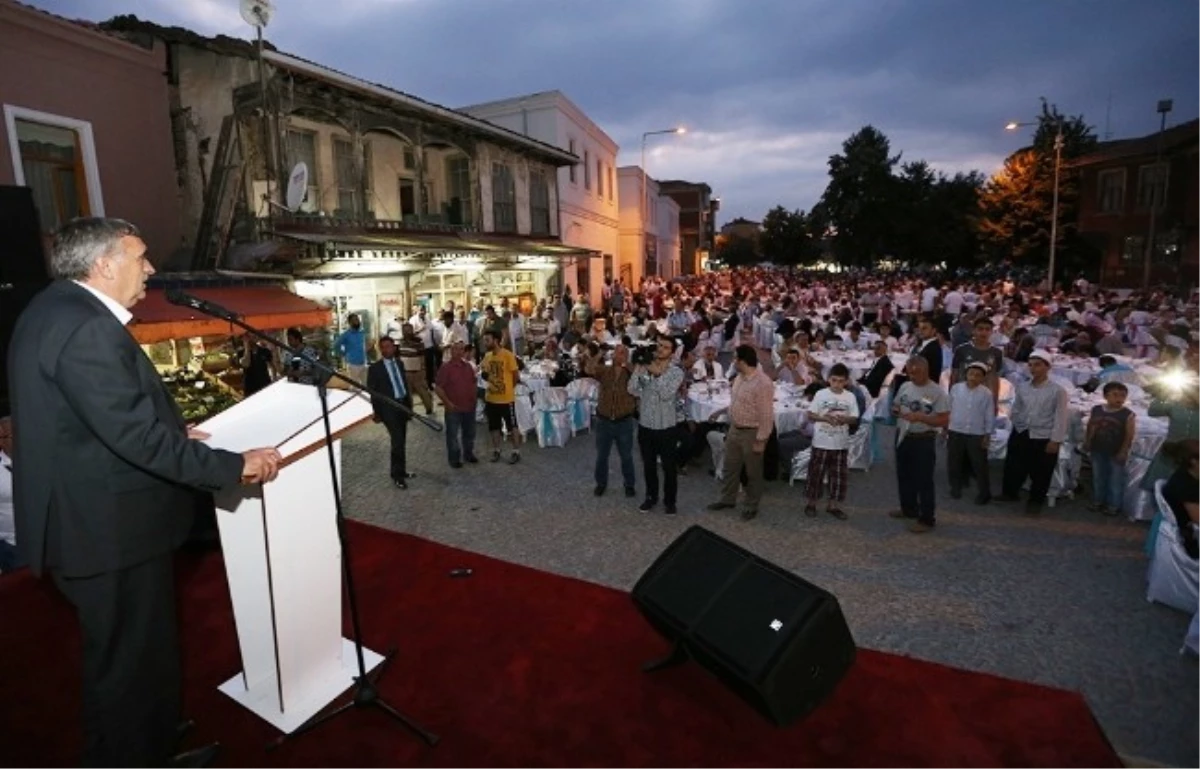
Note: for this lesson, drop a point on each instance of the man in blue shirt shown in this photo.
(352, 347)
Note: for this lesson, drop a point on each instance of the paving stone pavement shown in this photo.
(1058, 600)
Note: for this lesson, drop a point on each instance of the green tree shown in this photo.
(787, 237)
(737, 251)
(1016, 204)
(858, 201)
(935, 216)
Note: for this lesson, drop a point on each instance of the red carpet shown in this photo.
(516, 667)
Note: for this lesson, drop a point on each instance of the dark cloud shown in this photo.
(769, 89)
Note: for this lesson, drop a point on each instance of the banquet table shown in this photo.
(704, 399)
(859, 362)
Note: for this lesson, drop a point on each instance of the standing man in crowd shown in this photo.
(352, 346)
(104, 487)
(656, 387)
(412, 356)
(386, 375)
(614, 417)
(923, 408)
(972, 420)
(297, 361)
(751, 419)
(832, 412)
(455, 386)
(979, 350)
(502, 374)
(1039, 424)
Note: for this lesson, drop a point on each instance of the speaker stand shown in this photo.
(678, 656)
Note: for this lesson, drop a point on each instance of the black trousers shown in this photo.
(966, 452)
(1027, 458)
(131, 676)
(915, 460)
(433, 361)
(653, 445)
(397, 427)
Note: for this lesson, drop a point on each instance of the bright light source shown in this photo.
(1012, 126)
(681, 130)
(1176, 380)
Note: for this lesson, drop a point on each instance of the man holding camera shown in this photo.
(615, 411)
(656, 386)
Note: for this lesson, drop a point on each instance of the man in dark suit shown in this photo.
(386, 375)
(874, 378)
(103, 490)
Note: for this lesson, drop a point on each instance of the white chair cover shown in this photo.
(859, 456)
(1007, 394)
(1173, 578)
(552, 421)
(716, 444)
(523, 405)
(581, 397)
(800, 466)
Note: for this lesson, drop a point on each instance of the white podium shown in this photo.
(282, 554)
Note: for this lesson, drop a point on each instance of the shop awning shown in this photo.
(433, 244)
(265, 307)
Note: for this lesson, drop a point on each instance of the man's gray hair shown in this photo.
(79, 243)
(917, 360)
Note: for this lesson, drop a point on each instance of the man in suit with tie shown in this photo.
(386, 375)
(105, 485)
(874, 378)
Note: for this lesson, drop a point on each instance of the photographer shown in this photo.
(656, 386)
(1178, 399)
(615, 410)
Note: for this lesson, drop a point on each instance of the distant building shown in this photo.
(1120, 183)
(587, 202)
(697, 221)
(742, 228)
(651, 247)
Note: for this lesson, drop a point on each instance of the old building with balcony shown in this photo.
(403, 202)
(587, 192)
(1127, 184)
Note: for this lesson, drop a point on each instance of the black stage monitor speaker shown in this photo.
(779, 642)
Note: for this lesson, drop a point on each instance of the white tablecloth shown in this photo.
(859, 363)
(790, 406)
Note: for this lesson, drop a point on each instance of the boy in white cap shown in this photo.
(1039, 420)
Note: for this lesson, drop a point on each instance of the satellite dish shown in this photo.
(257, 13)
(297, 187)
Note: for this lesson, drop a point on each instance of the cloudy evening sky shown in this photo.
(768, 89)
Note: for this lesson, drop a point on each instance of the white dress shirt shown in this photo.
(123, 315)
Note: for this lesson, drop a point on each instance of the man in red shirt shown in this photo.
(455, 386)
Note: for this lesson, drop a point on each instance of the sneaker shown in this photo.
(515, 458)
(599, 491)
(400, 483)
(630, 491)
(647, 505)
(748, 514)
(495, 456)
(916, 527)
(719, 506)
(456, 465)
(1095, 507)
(837, 512)
(471, 460)
(669, 509)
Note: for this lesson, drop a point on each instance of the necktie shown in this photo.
(394, 374)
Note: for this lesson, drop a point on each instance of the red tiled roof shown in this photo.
(1142, 145)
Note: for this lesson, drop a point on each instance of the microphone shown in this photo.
(179, 297)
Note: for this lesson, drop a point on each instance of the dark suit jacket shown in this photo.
(378, 381)
(105, 473)
(873, 379)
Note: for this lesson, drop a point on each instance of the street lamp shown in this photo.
(1058, 147)
(1159, 198)
(680, 130)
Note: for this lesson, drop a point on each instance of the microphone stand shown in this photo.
(365, 690)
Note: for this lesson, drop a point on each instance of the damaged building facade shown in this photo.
(405, 202)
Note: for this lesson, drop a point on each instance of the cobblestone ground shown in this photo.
(1058, 600)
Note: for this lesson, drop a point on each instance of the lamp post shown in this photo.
(1058, 147)
(679, 130)
(1160, 192)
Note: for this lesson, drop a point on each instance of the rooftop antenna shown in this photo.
(1108, 117)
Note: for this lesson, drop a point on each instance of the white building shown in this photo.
(588, 196)
(659, 232)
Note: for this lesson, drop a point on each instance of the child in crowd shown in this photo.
(1109, 435)
(832, 412)
(972, 420)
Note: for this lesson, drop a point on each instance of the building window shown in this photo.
(504, 199)
(599, 178)
(1133, 249)
(1152, 186)
(56, 158)
(608, 266)
(539, 203)
(587, 170)
(347, 179)
(408, 198)
(302, 148)
(410, 158)
(610, 183)
(583, 276)
(1111, 186)
(571, 168)
(459, 201)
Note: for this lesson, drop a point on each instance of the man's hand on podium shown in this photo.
(261, 465)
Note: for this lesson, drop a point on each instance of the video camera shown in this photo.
(642, 354)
